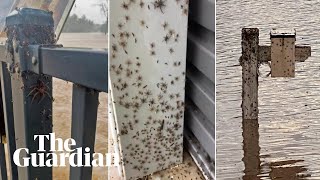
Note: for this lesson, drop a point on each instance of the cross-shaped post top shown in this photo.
(283, 52)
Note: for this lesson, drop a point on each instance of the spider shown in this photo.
(185, 11)
(142, 22)
(141, 4)
(123, 44)
(166, 38)
(114, 47)
(125, 6)
(165, 25)
(159, 4)
(120, 26)
(127, 17)
(39, 90)
(171, 32)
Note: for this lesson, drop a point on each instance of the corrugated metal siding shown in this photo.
(200, 85)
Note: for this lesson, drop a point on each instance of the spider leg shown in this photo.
(47, 85)
(33, 86)
(34, 96)
(43, 96)
(48, 94)
(31, 92)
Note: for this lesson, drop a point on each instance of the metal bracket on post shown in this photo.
(33, 54)
(33, 58)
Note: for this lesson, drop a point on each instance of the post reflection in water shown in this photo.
(255, 168)
(251, 149)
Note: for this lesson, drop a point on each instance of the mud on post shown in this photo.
(281, 57)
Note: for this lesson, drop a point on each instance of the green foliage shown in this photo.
(82, 24)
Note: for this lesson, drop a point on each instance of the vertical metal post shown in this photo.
(3, 168)
(85, 103)
(31, 93)
(249, 63)
(8, 118)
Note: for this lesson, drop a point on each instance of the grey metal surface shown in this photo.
(81, 66)
(3, 168)
(200, 57)
(201, 90)
(200, 156)
(202, 129)
(84, 119)
(200, 85)
(30, 16)
(8, 118)
(203, 12)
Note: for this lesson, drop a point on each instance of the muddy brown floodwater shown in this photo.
(284, 143)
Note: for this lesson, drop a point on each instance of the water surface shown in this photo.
(285, 143)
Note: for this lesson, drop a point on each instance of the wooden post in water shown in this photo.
(249, 63)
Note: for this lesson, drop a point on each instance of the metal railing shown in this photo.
(29, 60)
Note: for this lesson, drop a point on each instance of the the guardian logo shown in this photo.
(57, 156)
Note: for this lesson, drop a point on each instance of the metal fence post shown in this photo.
(3, 167)
(84, 119)
(8, 118)
(249, 63)
(31, 93)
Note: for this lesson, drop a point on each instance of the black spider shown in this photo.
(159, 4)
